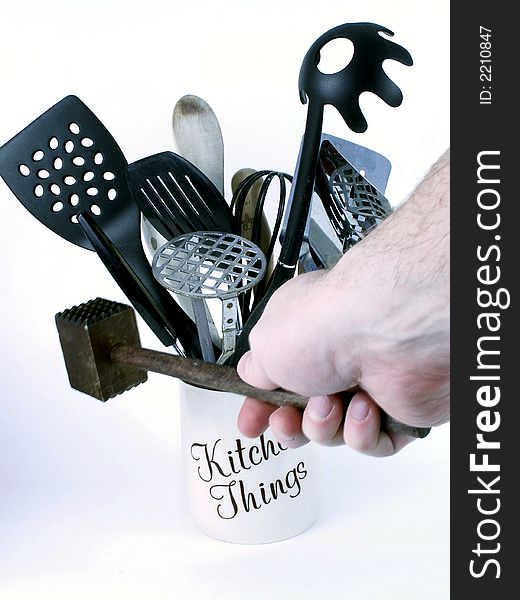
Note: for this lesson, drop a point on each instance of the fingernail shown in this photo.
(281, 436)
(359, 409)
(285, 439)
(320, 407)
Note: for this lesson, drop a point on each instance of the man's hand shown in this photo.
(377, 323)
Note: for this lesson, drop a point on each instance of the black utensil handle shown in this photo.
(127, 280)
(303, 186)
(138, 292)
(226, 379)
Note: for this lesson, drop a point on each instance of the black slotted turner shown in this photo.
(176, 197)
(67, 162)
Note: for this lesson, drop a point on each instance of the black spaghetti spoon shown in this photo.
(342, 90)
(67, 162)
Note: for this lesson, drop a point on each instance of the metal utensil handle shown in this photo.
(199, 311)
(229, 328)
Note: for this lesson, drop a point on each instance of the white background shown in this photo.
(91, 500)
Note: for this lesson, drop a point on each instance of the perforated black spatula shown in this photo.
(67, 162)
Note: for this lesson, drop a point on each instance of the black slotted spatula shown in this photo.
(67, 162)
(176, 197)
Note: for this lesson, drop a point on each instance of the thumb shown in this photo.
(252, 372)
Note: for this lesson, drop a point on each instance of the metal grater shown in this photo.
(353, 204)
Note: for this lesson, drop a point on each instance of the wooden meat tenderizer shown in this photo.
(104, 358)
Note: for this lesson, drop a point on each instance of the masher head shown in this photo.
(209, 264)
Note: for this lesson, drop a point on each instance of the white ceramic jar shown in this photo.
(241, 490)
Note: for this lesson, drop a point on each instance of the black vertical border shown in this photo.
(475, 128)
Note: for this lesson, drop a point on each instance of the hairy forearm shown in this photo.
(395, 284)
(423, 226)
(414, 240)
